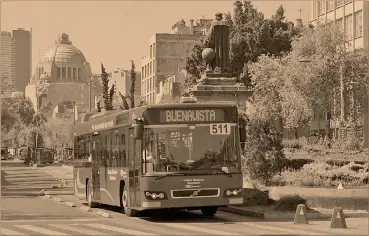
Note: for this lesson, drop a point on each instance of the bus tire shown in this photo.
(209, 211)
(127, 210)
(90, 203)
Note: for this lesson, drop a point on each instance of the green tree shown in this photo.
(263, 155)
(133, 83)
(195, 66)
(105, 87)
(111, 96)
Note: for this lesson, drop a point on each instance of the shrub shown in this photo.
(325, 175)
(349, 143)
(295, 144)
(289, 202)
(263, 156)
(297, 164)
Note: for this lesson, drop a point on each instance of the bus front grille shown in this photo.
(196, 193)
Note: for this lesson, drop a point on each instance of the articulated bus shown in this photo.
(182, 156)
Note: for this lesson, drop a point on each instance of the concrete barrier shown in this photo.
(71, 204)
(104, 214)
(85, 208)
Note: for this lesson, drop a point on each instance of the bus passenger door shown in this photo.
(96, 162)
(134, 169)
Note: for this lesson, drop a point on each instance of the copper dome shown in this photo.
(62, 51)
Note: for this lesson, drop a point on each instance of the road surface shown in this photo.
(23, 212)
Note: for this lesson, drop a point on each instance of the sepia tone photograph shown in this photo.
(192, 117)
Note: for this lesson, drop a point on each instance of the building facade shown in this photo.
(122, 81)
(23, 58)
(7, 62)
(167, 55)
(61, 77)
(171, 88)
(351, 16)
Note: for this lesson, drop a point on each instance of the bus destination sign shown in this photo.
(191, 115)
(104, 125)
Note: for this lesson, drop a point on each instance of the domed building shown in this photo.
(61, 77)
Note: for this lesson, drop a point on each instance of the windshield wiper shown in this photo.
(226, 173)
(171, 174)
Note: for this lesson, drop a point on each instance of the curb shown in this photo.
(47, 196)
(71, 204)
(243, 212)
(85, 208)
(286, 215)
(104, 214)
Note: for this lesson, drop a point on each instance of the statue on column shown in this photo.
(216, 46)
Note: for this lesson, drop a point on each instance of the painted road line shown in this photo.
(273, 228)
(10, 232)
(53, 220)
(40, 230)
(120, 230)
(198, 229)
(78, 230)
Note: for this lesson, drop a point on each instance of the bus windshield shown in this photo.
(197, 148)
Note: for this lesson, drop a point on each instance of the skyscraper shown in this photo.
(7, 62)
(23, 57)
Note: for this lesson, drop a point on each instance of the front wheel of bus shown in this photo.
(90, 202)
(128, 211)
(209, 211)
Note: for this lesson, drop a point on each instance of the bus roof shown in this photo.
(95, 122)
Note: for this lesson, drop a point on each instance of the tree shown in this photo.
(250, 36)
(124, 105)
(133, 82)
(195, 66)
(263, 156)
(111, 96)
(105, 84)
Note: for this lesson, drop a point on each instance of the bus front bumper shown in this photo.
(190, 203)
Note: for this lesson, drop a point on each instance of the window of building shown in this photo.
(154, 66)
(331, 5)
(154, 50)
(64, 72)
(315, 8)
(322, 8)
(339, 23)
(58, 73)
(142, 72)
(79, 74)
(150, 51)
(147, 87)
(359, 24)
(74, 72)
(69, 72)
(347, 1)
(150, 68)
(339, 3)
(348, 26)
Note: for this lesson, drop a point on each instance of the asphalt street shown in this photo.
(24, 212)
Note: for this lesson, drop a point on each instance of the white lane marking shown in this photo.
(273, 228)
(46, 220)
(40, 230)
(79, 230)
(199, 229)
(120, 230)
(10, 232)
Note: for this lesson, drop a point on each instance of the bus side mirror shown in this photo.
(242, 134)
(138, 131)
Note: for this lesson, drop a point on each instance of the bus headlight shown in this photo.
(233, 192)
(154, 195)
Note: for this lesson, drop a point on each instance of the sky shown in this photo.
(115, 32)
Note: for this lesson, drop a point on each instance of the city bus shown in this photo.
(181, 156)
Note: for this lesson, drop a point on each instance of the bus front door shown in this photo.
(96, 162)
(134, 169)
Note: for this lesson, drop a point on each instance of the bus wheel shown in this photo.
(90, 203)
(209, 211)
(128, 211)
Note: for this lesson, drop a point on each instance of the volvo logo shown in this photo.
(195, 193)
